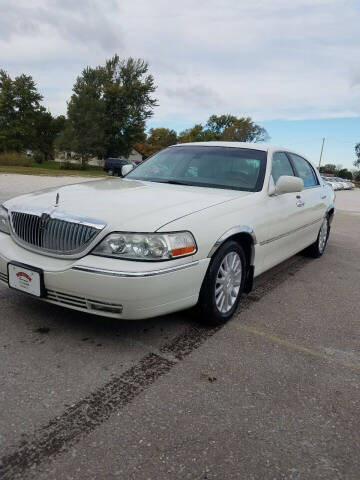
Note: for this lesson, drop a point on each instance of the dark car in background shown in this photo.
(113, 166)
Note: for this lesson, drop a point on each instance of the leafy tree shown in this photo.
(227, 128)
(108, 109)
(357, 153)
(328, 168)
(196, 134)
(157, 139)
(231, 128)
(218, 124)
(128, 103)
(19, 107)
(47, 128)
(84, 131)
(344, 173)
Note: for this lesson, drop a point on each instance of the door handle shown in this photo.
(300, 203)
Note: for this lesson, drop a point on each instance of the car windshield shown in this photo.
(205, 166)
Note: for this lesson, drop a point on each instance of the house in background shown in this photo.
(72, 157)
(135, 156)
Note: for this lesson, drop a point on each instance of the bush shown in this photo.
(39, 157)
(67, 165)
(15, 159)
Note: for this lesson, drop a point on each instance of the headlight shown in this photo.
(147, 246)
(4, 220)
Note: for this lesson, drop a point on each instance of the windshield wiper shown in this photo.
(172, 182)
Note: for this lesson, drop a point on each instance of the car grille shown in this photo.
(44, 232)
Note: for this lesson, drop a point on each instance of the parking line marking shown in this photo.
(294, 346)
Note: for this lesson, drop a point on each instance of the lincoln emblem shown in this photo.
(44, 220)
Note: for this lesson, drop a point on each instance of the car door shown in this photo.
(283, 217)
(312, 200)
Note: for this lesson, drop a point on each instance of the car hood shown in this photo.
(127, 205)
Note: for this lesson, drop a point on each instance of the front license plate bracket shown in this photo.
(22, 271)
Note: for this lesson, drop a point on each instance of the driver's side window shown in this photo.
(281, 166)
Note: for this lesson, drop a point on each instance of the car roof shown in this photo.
(254, 146)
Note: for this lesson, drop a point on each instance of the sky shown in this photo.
(291, 65)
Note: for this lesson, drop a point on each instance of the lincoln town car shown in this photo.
(192, 226)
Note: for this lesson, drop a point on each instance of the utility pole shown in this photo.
(322, 149)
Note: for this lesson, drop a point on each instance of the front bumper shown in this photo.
(110, 287)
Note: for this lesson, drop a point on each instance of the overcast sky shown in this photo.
(274, 60)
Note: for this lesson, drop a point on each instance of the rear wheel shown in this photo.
(223, 285)
(318, 247)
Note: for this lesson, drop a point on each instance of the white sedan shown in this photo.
(191, 226)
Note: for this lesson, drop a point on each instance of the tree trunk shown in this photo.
(84, 160)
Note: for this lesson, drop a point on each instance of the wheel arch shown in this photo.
(330, 212)
(245, 236)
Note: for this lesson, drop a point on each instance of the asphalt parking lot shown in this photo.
(275, 394)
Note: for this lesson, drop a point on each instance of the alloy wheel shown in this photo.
(228, 281)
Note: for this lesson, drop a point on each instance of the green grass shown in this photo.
(53, 169)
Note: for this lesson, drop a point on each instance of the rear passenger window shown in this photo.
(281, 166)
(304, 170)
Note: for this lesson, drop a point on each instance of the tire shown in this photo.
(317, 249)
(229, 264)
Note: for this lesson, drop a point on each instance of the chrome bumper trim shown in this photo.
(150, 273)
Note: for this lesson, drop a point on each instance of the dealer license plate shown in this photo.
(26, 279)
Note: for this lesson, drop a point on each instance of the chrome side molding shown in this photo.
(229, 233)
(149, 273)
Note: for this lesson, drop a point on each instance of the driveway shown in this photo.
(274, 394)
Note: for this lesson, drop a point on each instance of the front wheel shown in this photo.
(318, 247)
(223, 285)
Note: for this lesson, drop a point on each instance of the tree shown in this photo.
(231, 128)
(47, 128)
(157, 139)
(328, 168)
(19, 107)
(108, 108)
(357, 152)
(226, 128)
(344, 173)
(195, 134)
(128, 103)
(84, 131)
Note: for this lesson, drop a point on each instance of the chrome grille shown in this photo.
(51, 234)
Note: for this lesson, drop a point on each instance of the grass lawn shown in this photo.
(52, 169)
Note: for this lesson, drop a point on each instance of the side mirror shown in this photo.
(126, 169)
(288, 184)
